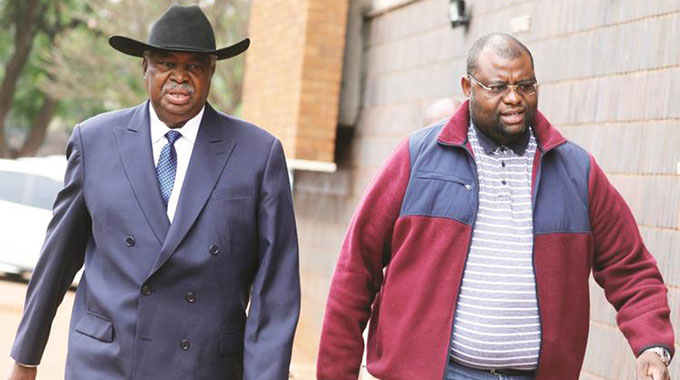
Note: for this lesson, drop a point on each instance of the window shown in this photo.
(28, 189)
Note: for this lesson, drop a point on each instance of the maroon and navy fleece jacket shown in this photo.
(402, 260)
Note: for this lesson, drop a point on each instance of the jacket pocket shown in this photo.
(232, 193)
(96, 327)
(441, 195)
(466, 183)
(231, 342)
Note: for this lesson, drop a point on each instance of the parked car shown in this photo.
(28, 188)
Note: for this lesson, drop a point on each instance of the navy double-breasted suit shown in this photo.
(169, 301)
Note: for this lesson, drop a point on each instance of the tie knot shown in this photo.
(172, 136)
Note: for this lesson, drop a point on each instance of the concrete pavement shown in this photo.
(11, 305)
(52, 366)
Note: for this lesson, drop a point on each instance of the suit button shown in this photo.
(213, 249)
(184, 344)
(190, 297)
(146, 290)
(130, 241)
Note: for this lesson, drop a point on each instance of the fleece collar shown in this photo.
(455, 130)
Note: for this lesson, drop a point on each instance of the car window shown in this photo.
(29, 189)
(12, 186)
(44, 192)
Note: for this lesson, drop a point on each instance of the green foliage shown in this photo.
(28, 96)
(54, 18)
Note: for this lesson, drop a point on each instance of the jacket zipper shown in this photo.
(539, 170)
(533, 255)
(467, 255)
(533, 249)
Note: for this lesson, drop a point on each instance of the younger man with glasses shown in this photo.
(471, 252)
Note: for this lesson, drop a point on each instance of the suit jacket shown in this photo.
(169, 301)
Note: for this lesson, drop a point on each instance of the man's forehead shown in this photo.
(491, 63)
(158, 53)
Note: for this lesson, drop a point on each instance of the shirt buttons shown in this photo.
(503, 182)
(503, 163)
(190, 297)
(146, 290)
(130, 241)
(213, 250)
(184, 344)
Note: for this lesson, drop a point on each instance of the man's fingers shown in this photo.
(641, 370)
(648, 366)
(657, 373)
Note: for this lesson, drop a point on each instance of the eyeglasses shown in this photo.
(524, 88)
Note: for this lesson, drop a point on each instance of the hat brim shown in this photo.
(137, 48)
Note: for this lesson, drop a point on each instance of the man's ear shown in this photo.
(145, 65)
(465, 85)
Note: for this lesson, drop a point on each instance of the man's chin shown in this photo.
(178, 108)
(512, 130)
(181, 109)
(172, 115)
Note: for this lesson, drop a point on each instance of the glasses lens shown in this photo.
(527, 88)
(498, 89)
(524, 88)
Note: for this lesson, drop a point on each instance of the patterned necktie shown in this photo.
(167, 166)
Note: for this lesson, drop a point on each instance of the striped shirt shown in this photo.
(496, 324)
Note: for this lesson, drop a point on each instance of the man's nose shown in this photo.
(513, 96)
(179, 74)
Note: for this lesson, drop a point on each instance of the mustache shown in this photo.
(172, 85)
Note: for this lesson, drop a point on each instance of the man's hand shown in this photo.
(20, 372)
(650, 367)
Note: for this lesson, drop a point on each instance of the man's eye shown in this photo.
(526, 86)
(193, 67)
(498, 87)
(168, 64)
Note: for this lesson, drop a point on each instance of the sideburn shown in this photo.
(490, 128)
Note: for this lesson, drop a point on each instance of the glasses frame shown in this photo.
(511, 87)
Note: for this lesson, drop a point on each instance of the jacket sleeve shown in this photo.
(275, 297)
(358, 273)
(61, 257)
(626, 270)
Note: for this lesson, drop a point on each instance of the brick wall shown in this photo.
(610, 81)
(293, 70)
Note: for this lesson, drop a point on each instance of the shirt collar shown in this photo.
(189, 130)
(518, 146)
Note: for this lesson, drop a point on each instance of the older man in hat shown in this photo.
(183, 219)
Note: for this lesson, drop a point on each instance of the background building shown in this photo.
(342, 82)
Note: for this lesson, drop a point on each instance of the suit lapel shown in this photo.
(134, 146)
(208, 158)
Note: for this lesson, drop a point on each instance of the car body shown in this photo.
(28, 188)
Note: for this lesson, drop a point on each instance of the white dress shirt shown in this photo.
(183, 145)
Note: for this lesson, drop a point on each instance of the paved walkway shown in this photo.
(52, 366)
(11, 305)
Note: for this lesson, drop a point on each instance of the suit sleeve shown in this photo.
(61, 257)
(275, 297)
(626, 270)
(358, 273)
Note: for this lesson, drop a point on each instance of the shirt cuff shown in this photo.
(28, 365)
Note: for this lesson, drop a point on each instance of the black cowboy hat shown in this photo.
(184, 29)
